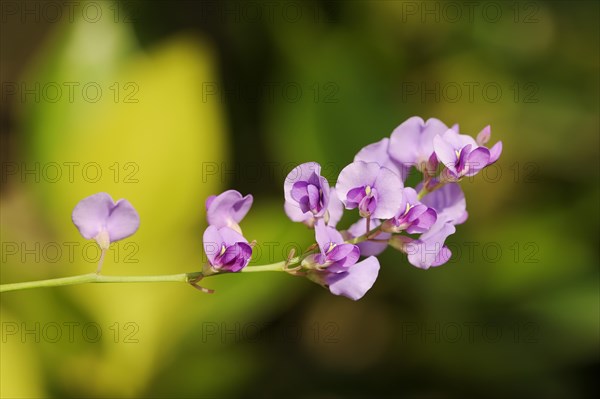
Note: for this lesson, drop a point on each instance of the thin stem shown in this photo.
(191, 278)
(426, 190)
(275, 267)
(101, 261)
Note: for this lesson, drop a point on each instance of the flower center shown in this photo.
(331, 246)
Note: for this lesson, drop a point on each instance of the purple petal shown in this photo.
(91, 214)
(302, 172)
(484, 136)
(230, 236)
(356, 175)
(423, 222)
(461, 219)
(477, 160)
(378, 152)
(349, 252)
(389, 194)
(325, 235)
(443, 257)
(295, 213)
(209, 201)
(314, 196)
(212, 242)
(428, 249)
(405, 139)
(411, 143)
(448, 201)
(445, 153)
(354, 283)
(123, 221)
(335, 208)
(495, 152)
(458, 141)
(228, 209)
(299, 190)
(410, 196)
(236, 257)
(433, 127)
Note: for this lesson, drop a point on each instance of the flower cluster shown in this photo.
(416, 221)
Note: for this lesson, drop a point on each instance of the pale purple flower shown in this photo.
(379, 152)
(226, 249)
(462, 155)
(429, 249)
(352, 283)
(335, 210)
(413, 216)
(227, 209)
(306, 193)
(104, 220)
(335, 254)
(373, 189)
(371, 247)
(411, 143)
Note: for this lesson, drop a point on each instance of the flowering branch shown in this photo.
(373, 184)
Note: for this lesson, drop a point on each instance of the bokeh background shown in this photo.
(167, 102)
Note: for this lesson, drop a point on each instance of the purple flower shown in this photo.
(461, 154)
(371, 247)
(227, 209)
(104, 220)
(413, 217)
(335, 210)
(335, 254)
(226, 249)
(373, 189)
(379, 152)
(352, 283)
(429, 249)
(306, 193)
(411, 143)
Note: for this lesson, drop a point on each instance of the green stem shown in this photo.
(182, 277)
(275, 267)
(99, 278)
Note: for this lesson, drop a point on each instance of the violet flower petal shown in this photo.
(227, 209)
(91, 213)
(354, 283)
(379, 152)
(123, 221)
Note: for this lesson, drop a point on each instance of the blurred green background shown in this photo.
(165, 103)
